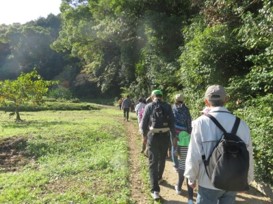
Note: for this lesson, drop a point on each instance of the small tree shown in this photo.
(28, 87)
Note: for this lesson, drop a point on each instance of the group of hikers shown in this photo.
(204, 151)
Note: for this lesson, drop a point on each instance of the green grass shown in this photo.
(73, 157)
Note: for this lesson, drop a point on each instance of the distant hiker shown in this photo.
(126, 105)
(120, 103)
(204, 137)
(183, 129)
(157, 124)
(139, 109)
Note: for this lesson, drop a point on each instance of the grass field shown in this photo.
(64, 157)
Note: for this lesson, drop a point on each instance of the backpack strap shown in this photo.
(216, 122)
(234, 128)
(219, 111)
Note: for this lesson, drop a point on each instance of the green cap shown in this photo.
(184, 139)
(157, 92)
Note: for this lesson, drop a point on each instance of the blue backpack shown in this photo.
(181, 115)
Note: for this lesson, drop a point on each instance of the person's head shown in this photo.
(215, 96)
(156, 94)
(179, 98)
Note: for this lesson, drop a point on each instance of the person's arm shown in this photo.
(136, 108)
(145, 121)
(194, 156)
(251, 160)
(244, 131)
(122, 104)
(189, 122)
(171, 121)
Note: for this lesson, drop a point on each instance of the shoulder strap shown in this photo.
(235, 126)
(219, 111)
(216, 122)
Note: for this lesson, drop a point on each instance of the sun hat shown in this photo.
(215, 93)
(157, 92)
(179, 98)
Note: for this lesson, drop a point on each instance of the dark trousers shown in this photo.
(157, 151)
(126, 113)
(180, 182)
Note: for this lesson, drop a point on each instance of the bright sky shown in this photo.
(22, 11)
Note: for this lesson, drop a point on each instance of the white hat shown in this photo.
(215, 93)
(179, 97)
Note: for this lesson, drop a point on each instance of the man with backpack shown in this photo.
(157, 124)
(232, 143)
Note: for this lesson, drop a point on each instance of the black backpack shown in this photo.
(160, 116)
(228, 164)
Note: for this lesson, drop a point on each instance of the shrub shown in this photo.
(60, 92)
(258, 115)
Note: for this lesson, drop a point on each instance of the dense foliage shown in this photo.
(113, 46)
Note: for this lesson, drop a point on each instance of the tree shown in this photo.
(28, 87)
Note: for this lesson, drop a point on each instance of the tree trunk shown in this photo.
(18, 118)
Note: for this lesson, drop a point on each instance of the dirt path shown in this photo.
(169, 196)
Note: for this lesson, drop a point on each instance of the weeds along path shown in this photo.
(136, 182)
(140, 192)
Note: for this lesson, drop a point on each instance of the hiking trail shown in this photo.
(140, 193)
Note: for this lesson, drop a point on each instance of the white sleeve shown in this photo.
(251, 163)
(194, 155)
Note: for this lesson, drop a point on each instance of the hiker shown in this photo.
(120, 102)
(204, 137)
(183, 129)
(139, 109)
(126, 105)
(157, 124)
(182, 120)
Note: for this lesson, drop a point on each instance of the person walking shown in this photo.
(120, 103)
(183, 129)
(157, 125)
(182, 121)
(204, 137)
(126, 105)
(139, 109)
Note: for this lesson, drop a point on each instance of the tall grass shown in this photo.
(73, 157)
